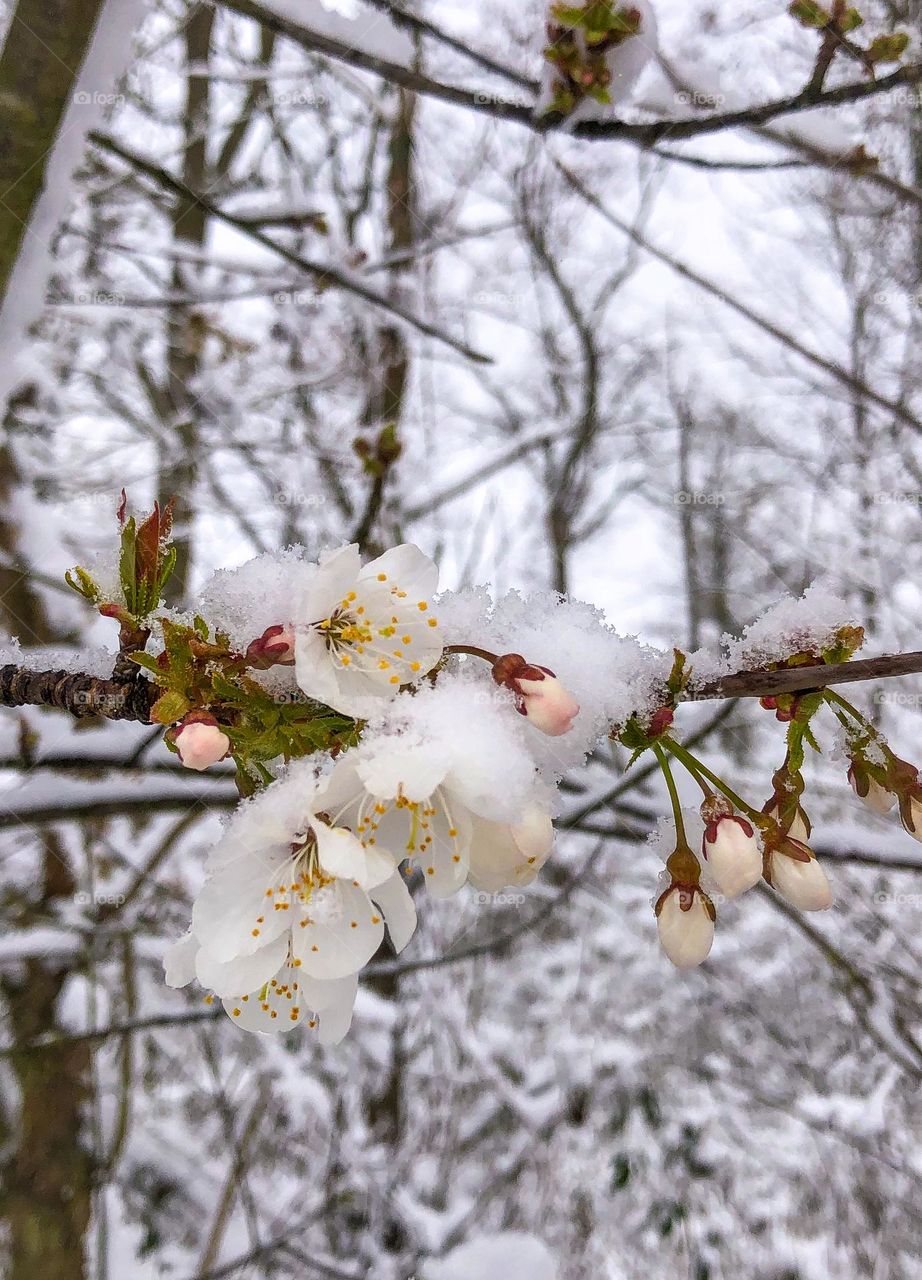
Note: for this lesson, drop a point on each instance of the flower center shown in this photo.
(429, 820)
(377, 634)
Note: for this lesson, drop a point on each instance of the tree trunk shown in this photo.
(45, 47)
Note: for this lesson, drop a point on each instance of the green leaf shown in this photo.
(170, 707)
(126, 564)
(888, 48)
(147, 661)
(809, 14)
(80, 581)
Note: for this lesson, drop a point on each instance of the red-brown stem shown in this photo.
(473, 650)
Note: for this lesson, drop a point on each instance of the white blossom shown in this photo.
(285, 999)
(290, 884)
(432, 766)
(362, 631)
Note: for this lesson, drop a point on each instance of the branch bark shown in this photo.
(83, 695)
(80, 695)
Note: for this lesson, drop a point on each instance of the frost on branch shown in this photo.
(389, 740)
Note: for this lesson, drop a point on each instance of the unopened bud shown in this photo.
(732, 852)
(877, 798)
(797, 876)
(275, 647)
(915, 818)
(539, 695)
(200, 742)
(685, 921)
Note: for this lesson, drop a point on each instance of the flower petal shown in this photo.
(277, 1006)
(339, 931)
(335, 577)
(244, 973)
(398, 908)
(240, 908)
(343, 855)
(314, 670)
(179, 961)
(333, 1002)
(406, 567)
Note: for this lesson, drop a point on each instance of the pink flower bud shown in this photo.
(539, 695)
(877, 798)
(801, 880)
(733, 854)
(275, 647)
(201, 743)
(685, 920)
(548, 705)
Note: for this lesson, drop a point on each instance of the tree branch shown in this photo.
(80, 695)
(763, 683)
(324, 273)
(83, 695)
(486, 103)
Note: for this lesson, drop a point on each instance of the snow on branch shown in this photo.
(383, 732)
(547, 116)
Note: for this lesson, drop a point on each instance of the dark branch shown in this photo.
(83, 695)
(764, 684)
(80, 695)
(486, 103)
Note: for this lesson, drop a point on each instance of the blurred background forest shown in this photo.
(677, 376)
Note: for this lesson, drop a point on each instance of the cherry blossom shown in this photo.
(539, 695)
(285, 999)
(363, 631)
(432, 766)
(797, 876)
(287, 881)
(504, 854)
(685, 921)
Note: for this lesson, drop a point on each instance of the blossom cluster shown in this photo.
(389, 740)
(312, 869)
